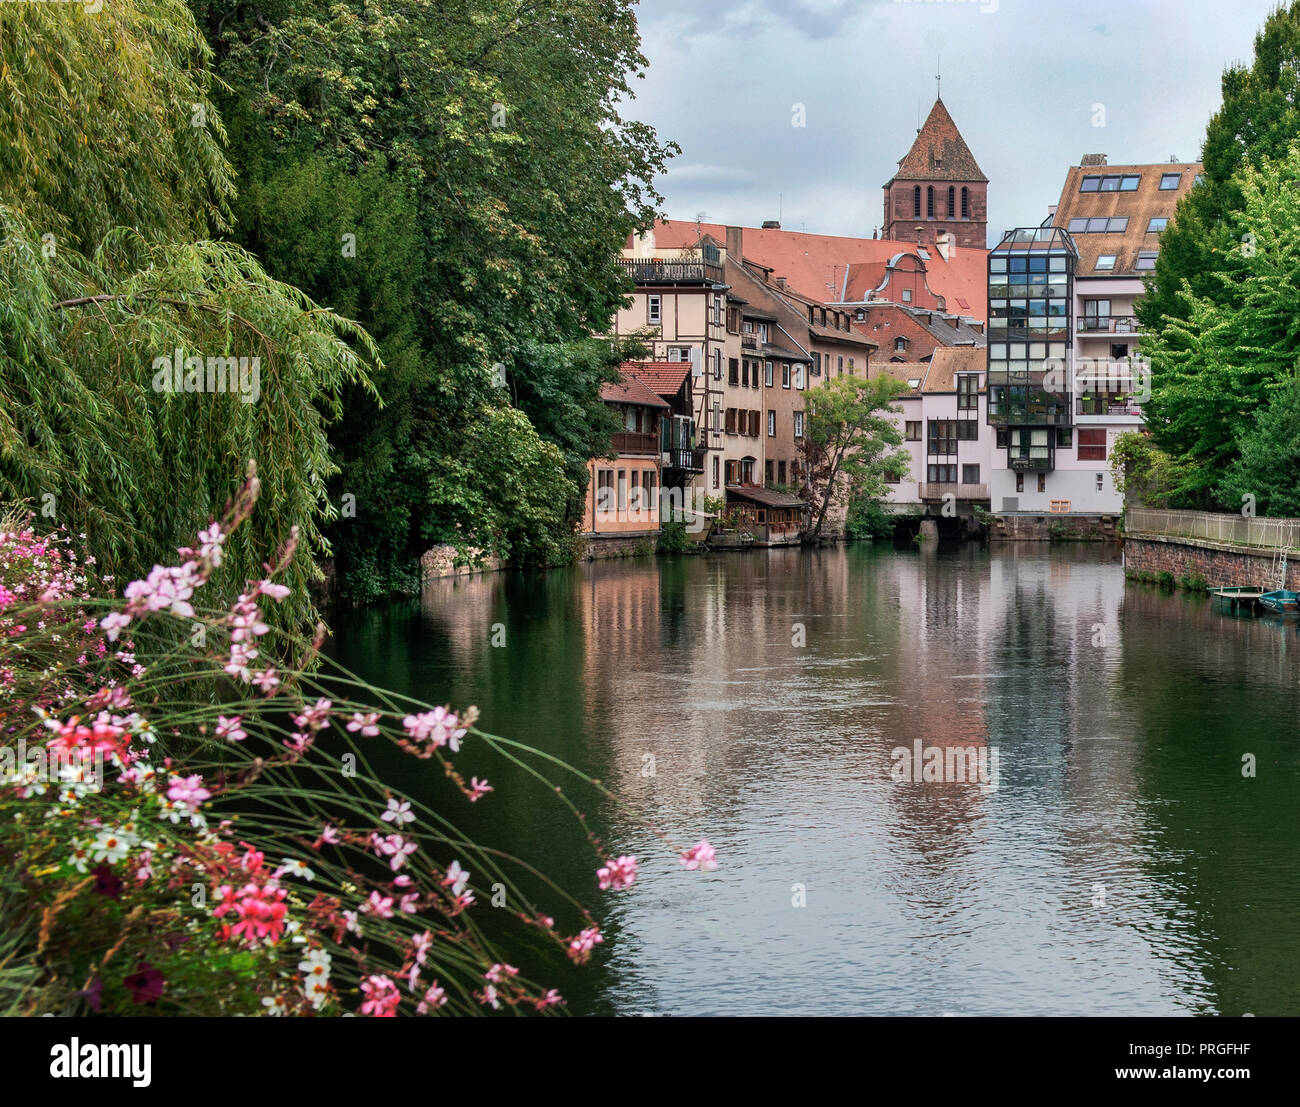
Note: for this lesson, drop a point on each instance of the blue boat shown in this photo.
(1281, 602)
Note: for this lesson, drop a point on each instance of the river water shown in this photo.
(1119, 860)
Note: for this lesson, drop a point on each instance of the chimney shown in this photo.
(1092, 159)
(643, 245)
(736, 243)
(920, 235)
(771, 225)
(946, 244)
(780, 283)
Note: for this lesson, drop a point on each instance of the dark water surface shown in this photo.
(1121, 864)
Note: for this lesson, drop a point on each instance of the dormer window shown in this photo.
(900, 344)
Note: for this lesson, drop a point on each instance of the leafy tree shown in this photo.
(1217, 366)
(1259, 119)
(850, 442)
(1269, 466)
(112, 187)
(1143, 472)
(496, 125)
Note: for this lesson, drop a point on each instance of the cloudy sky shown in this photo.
(1026, 81)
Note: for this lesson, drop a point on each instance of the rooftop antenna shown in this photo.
(938, 76)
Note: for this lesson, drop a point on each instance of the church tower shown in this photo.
(938, 187)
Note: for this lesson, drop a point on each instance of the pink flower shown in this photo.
(260, 909)
(700, 856)
(439, 727)
(617, 874)
(480, 789)
(365, 724)
(378, 905)
(277, 592)
(382, 997)
(398, 813)
(395, 848)
(210, 541)
(188, 791)
(114, 624)
(230, 729)
(314, 718)
(266, 680)
(497, 973)
(581, 946)
(551, 999)
(434, 997)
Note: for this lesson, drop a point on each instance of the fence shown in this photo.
(1236, 530)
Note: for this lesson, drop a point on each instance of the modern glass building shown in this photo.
(1031, 278)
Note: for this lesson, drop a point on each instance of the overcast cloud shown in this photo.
(1022, 78)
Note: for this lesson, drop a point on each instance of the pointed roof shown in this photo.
(939, 152)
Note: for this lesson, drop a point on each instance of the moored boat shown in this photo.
(1281, 602)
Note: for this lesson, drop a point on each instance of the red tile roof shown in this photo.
(815, 264)
(629, 390)
(665, 378)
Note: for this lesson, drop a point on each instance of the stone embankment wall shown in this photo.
(440, 561)
(1214, 562)
(1054, 528)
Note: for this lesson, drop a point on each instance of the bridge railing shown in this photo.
(1237, 530)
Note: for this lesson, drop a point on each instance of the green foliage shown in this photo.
(867, 520)
(1268, 467)
(1143, 472)
(106, 267)
(673, 539)
(1258, 119)
(850, 443)
(1214, 372)
(1165, 579)
(1192, 581)
(432, 133)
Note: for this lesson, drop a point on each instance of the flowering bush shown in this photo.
(175, 836)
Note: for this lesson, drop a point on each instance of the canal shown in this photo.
(1118, 860)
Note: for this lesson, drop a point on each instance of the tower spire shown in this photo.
(938, 77)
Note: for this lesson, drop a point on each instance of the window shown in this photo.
(860, 315)
(1170, 181)
(604, 490)
(622, 490)
(1109, 184)
(1105, 261)
(1096, 315)
(785, 374)
(635, 500)
(952, 201)
(798, 376)
(1077, 226)
(654, 309)
(1001, 438)
(733, 371)
(754, 417)
(916, 201)
(733, 320)
(717, 310)
(768, 378)
(762, 331)
(717, 416)
(771, 424)
(851, 371)
(968, 430)
(717, 476)
(968, 392)
(900, 344)
(731, 420)
(841, 367)
(1020, 482)
(941, 474)
(798, 424)
(1146, 261)
(1042, 482)
(767, 471)
(679, 353)
(1158, 223)
(1101, 482)
(733, 472)
(912, 430)
(942, 436)
(965, 204)
(717, 365)
(1129, 184)
(1092, 444)
(1064, 437)
(1099, 225)
(1089, 184)
(780, 472)
(929, 201)
(907, 295)
(970, 474)
(649, 478)
(744, 373)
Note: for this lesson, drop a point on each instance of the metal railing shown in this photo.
(1109, 324)
(1236, 530)
(656, 270)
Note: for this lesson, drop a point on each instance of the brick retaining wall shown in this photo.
(1217, 562)
(1054, 528)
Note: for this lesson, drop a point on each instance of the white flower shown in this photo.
(111, 846)
(398, 813)
(457, 878)
(292, 866)
(275, 1004)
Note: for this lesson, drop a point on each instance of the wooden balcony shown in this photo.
(957, 491)
(671, 270)
(634, 442)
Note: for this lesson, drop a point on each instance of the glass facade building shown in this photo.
(1031, 278)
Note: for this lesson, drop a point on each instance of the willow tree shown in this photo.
(112, 187)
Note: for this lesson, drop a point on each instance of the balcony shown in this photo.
(1109, 324)
(634, 442)
(1024, 464)
(957, 491)
(749, 341)
(1100, 406)
(685, 459)
(671, 270)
